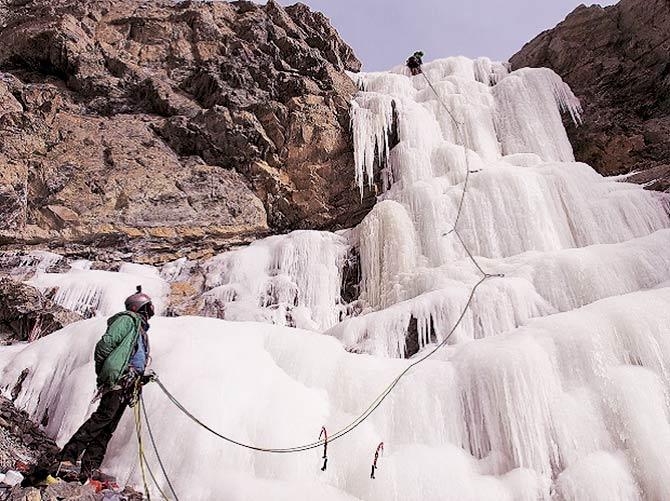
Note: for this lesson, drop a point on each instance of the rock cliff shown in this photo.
(616, 61)
(154, 130)
(26, 314)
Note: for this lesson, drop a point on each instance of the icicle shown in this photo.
(176, 270)
(555, 384)
(40, 260)
(292, 279)
(502, 306)
(102, 293)
(601, 476)
(81, 264)
(388, 250)
(528, 119)
(525, 195)
(489, 72)
(371, 121)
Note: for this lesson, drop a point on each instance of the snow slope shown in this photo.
(555, 386)
(494, 419)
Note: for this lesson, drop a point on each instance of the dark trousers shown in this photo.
(94, 435)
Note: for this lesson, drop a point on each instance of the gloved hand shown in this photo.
(148, 377)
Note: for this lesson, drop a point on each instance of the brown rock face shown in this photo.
(20, 439)
(616, 61)
(26, 314)
(159, 129)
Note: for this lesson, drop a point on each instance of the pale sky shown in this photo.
(384, 33)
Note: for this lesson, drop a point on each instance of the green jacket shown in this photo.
(113, 351)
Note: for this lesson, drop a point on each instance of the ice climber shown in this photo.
(121, 358)
(414, 62)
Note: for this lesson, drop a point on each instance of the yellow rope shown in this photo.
(144, 465)
(140, 446)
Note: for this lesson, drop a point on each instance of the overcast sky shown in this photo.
(384, 32)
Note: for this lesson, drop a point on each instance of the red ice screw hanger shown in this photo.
(380, 448)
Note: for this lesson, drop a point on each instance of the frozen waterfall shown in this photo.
(290, 279)
(563, 235)
(556, 385)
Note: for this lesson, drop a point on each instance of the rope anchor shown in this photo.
(324, 434)
(380, 448)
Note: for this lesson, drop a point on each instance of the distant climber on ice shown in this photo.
(121, 358)
(414, 62)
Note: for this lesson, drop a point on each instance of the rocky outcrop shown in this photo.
(26, 314)
(70, 491)
(616, 61)
(25, 449)
(66, 491)
(21, 441)
(167, 129)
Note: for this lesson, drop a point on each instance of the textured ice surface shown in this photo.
(99, 292)
(40, 260)
(290, 279)
(536, 284)
(574, 402)
(556, 386)
(563, 235)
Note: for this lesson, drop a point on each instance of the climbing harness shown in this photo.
(323, 436)
(380, 448)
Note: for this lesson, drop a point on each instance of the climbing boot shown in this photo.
(68, 471)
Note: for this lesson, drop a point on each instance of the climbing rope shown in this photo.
(137, 403)
(351, 426)
(140, 447)
(322, 442)
(155, 448)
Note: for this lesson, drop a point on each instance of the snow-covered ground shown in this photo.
(556, 384)
(573, 396)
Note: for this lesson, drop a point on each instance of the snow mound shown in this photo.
(497, 418)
